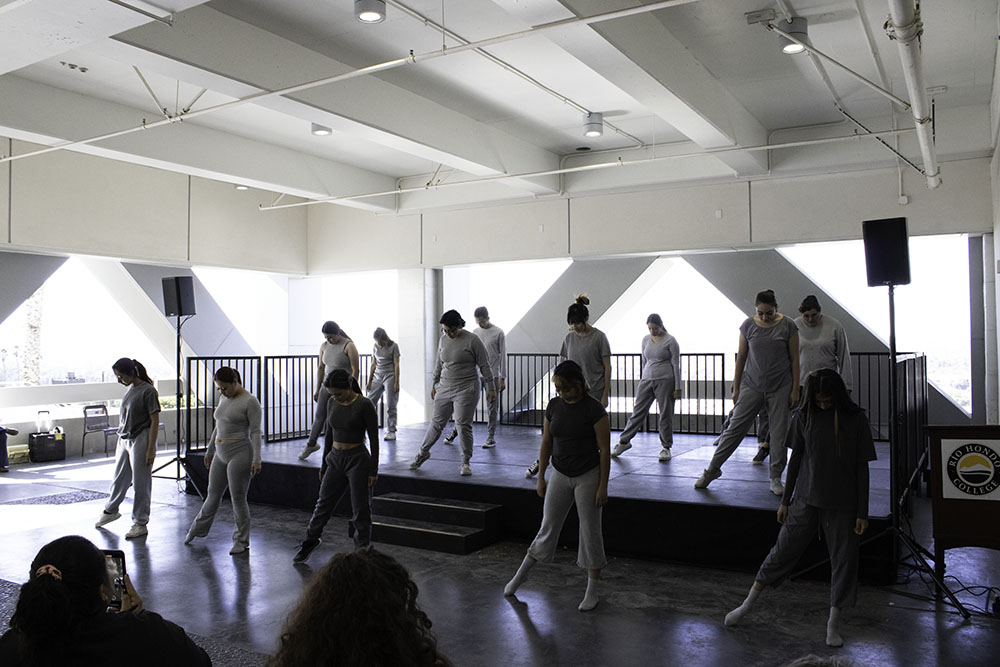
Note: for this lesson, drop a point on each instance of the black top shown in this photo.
(830, 471)
(574, 443)
(348, 424)
(146, 638)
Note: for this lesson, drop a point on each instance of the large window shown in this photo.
(932, 312)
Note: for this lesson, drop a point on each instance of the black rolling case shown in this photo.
(46, 447)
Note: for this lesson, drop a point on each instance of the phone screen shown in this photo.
(115, 560)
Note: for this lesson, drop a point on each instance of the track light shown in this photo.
(320, 130)
(593, 124)
(797, 27)
(369, 11)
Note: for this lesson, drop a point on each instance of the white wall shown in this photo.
(345, 239)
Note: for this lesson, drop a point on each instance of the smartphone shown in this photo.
(115, 560)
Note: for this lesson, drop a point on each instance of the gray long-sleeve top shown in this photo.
(824, 346)
(496, 347)
(455, 367)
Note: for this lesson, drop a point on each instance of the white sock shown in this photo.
(833, 637)
(590, 597)
(519, 576)
(733, 617)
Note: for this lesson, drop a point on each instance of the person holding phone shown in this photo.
(232, 459)
(347, 465)
(137, 430)
(62, 616)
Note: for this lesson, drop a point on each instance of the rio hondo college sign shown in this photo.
(970, 470)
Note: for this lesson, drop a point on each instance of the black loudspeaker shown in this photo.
(178, 296)
(887, 251)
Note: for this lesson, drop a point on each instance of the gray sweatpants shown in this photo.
(494, 411)
(463, 406)
(560, 494)
(346, 470)
(230, 468)
(842, 543)
(131, 469)
(319, 423)
(384, 383)
(663, 392)
(747, 407)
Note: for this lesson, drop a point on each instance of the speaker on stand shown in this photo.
(178, 302)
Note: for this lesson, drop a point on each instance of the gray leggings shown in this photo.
(347, 470)
(385, 383)
(663, 391)
(746, 408)
(230, 468)
(841, 542)
(131, 469)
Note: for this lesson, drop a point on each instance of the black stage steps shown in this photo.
(437, 524)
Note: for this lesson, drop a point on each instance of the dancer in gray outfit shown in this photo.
(661, 372)
(767, 372)
(822, 343)
(137, 431)
(338, 351)
(496, 348)
(456, 387)
(232, 459)
(384, 377)
(827, 486)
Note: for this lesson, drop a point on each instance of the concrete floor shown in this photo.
(650, 613)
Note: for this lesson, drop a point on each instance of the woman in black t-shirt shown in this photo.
(827, 486)
(577, 440)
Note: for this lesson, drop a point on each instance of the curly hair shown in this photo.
(359, 609)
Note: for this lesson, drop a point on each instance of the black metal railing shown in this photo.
(202, 397)
(911, 438)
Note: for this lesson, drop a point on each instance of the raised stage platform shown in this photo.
(654, 511)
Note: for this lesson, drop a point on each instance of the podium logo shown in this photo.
(974, 469)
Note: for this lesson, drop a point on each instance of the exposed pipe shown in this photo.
(588, 167)
(371, 69)
(905, 27)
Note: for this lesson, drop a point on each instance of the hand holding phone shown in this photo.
(115, 561)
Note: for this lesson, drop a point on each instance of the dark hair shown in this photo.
(371, 601)
(53, 605)
(578, 312)
(828, 381)
(452, 319)
(766, 297)
(227, 375)
(132, 368)
(810, 303)
(381, 337)
(331, 328)
(571, 372)
(481, 312)
(341, 379)
(655, 319)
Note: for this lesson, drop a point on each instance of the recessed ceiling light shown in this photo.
(242, 187)
(320, 130)
(369, 11)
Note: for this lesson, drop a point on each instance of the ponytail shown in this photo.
(228, 375)
(133, 368)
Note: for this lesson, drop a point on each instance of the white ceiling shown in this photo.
(695, 76)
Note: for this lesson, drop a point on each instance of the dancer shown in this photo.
(337, 351)
(590, 349)
(136, 450)
(827, 486)
(359, 609)
(456, 387)
(62, 616)
(347, 465)
(384, 377)
(496, 347)
(577, 436)
(661, 374)
(4, 432)
(232, 459)
(767, 374)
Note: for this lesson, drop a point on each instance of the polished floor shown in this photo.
(650, 613)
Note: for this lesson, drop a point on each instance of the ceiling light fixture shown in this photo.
(242, 187)
(797, 27)
(369, 11)
(593, 124)
(320, 130)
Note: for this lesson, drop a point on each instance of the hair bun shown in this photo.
(583, 299)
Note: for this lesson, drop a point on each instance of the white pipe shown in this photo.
(371, 69)
(906, 29)
(587, 167)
